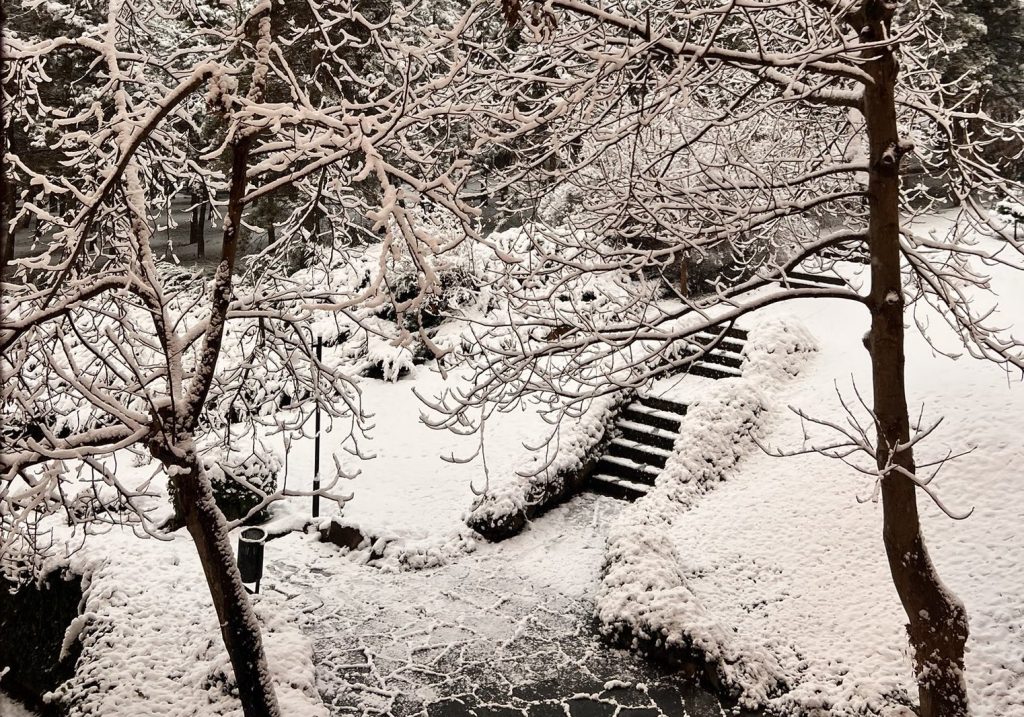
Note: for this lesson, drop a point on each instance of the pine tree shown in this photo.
(986, 46)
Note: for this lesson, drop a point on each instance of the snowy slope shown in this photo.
(784, 555)
(407, 489)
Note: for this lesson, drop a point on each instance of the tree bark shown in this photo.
(937, 620)
(194, 226)
(197, 226)
(7, 198)
(238, 625)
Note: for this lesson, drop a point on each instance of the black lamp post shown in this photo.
(316, 438)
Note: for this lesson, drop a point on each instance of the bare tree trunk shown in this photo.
(937, 620)
(194, 225)
(683, 269)
(197, 226)
(238, 625)
(7, 200)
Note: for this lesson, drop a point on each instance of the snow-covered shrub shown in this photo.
(34, 652)
(503, 510)
(178, 278)
(1011, 208)
(379, 349)
(100, 502)
(238, 486)
(457, 289)
(560, 204)
(387, 361)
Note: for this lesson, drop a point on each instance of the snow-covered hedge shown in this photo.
(1011, 208)
(235, 484)
(644, 601)
(151, 645)
(33, 618)
(504, 509)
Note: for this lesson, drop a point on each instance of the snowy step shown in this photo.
(734, 346)
(799, 277)
(662, 404)
(733, 332)
(645, 438)
(625, 468)
(639, 413)
(618, 487)
(638, 452)
(701, 369)
(647, 435)
(722, 358)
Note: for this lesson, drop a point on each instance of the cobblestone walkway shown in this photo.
(504, 631)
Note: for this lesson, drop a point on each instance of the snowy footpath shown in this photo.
(506, 630)
(502, 631)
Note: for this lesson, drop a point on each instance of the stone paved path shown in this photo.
(505, 631)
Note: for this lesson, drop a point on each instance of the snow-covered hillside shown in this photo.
(785, 558)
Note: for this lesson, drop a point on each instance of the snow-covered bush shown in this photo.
(34, 653)
(503, 510)
(406, 309)
(457, 289)
(239, 487)
(1012, 208)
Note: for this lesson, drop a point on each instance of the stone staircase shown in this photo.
(647, 429)
(801, 280)
(724, 358)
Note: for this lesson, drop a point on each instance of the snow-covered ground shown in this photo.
(785, 560)
(152, 644)
(780, 563)
(11, 708)
(408, 491)
(506, 630)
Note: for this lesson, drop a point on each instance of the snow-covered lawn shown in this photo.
(408, 492)
(784, 560)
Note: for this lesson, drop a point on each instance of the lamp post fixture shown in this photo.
(316, 435)
(250, 555)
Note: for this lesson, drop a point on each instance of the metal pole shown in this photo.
(316, 435)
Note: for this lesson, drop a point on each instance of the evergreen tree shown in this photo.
(985, 40)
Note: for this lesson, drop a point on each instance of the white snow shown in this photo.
(779, 571)
(784, 564)
(410, 493)
(644, 597)
(12, 708)
(151, 640)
